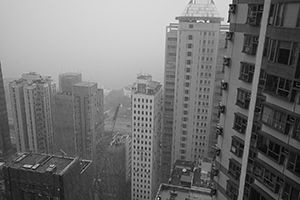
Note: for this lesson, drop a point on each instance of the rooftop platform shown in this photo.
(85, 84)
(42, 163)
(171, 192)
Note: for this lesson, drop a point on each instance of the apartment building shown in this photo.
(88, 105)
(5, 142)
(146, 137)
(196, 55)
(258, 150)
(31, 109)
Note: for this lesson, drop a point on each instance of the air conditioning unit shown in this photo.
(261, 8)
(252, 20)
(217, 150)
(221, 108)
(229, 35)
(224, 85)
(213, 191)
(255, 39)
(232, 8)
(226, 61)
(297, 85)
(214, 171)
(248, 95)
(219, 130)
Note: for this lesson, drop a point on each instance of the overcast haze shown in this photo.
(107, 41)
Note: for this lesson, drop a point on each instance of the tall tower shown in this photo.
(31, 108)
(258, 153)
(197, 45)
(5, 143)
(168, 103)
(62, 109)
(146, 137)
(88, 118)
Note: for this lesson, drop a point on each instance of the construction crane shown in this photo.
(114, 119)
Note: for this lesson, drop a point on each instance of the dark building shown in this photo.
(5, 143)
(41, 176)
(67, 80)
(258, 150)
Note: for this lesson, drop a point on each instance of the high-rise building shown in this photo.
(43, 176)
(62, 114)
(5, 143)
(258, 151)
(146, 137)
(67, 80)
(196, 55)
(88, 119)
(31, 109)
(168, 103)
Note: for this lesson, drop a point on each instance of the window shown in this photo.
(237, 146)
(189, 53)
(279, 86)
(296, 132)
(191, 26)
(190, 37)
(268, 178)
(246, 72)
(240, 123)
(188, 62)
(189, 45)
(282, 52)
(284, 15)
(243, 98)
(188, 69)
(234, 169)
(232, 190)
(271, 149)
(275, 119)
(250, 44)
(290, 192)
(294, 163)
(255, 14)
(187, 84)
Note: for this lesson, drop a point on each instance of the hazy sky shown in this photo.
(108, 41)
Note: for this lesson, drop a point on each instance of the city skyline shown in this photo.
(53, 37)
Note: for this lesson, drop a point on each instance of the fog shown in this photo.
(109, 42)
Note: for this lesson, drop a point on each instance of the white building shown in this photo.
(197, 47)
(146, 134)
(31, 108)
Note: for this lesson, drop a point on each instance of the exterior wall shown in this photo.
(195, 75)
(63, 124)
(5, 143)
(169, 90)
(88, 118)
(67, 80)
(146, 135)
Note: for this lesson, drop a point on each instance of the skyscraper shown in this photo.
(258, 152)
(62, 114)
(5, 143)
(88, 118)
(196, 55)
(146, 137)
(31, 108)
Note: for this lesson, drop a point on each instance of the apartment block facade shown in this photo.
(258, 150)
(88, 119)
(196, 56)
(146, 137)
(31, 108)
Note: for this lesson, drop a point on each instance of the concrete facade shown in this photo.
(146, 137)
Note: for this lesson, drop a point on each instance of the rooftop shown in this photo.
(85, 84)
(201, 10)
(171, 192)
(41, 162)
